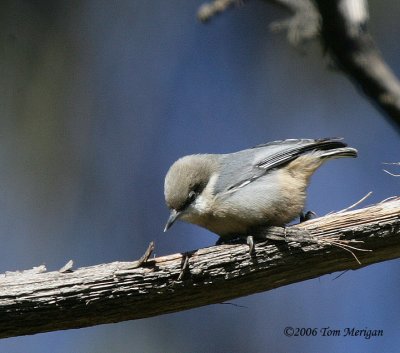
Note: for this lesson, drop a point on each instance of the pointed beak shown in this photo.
(172, 218)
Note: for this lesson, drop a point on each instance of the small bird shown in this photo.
(233, 194)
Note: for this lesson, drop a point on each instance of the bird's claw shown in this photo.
(307, 216)
(239, 240)
(250, 243)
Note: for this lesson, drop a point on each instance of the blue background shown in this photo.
(99, 98)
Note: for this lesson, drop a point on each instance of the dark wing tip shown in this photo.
(291, 149)
(303, 140)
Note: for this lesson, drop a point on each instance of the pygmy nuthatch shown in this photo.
(232, 194)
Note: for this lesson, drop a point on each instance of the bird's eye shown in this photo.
(192, 195)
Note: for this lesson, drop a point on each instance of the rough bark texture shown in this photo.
(32, 302)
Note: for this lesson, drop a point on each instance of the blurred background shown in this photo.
(99, 98)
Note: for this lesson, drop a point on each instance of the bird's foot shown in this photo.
(249, 240)
(307, 216)
(250, 243)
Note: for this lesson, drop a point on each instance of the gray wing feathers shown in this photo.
(289, 150)
(241, 168)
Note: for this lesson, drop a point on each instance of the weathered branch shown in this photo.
(39, 302)
(343, 27)
(345, 34)
(303, 25)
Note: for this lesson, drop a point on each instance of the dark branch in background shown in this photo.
(342, 26)
(209, 10)
(303, 25)
(37, 301)
(345, 34)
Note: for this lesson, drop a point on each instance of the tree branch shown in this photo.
(213, 8)
(303, 25)
(32, 302)
(345, 35)
(342, 25)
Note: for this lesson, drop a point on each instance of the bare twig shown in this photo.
(145, 257)
(392, 174)
(356, 203)
(67, 267)
(395, 175)
(391, 198)
(215, 7)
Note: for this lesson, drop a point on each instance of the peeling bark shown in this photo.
(35, 301)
